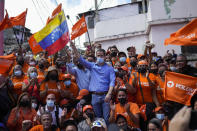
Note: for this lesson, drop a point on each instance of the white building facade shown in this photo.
(126, 25)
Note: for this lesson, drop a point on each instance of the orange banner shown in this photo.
(179, 88)
(13, 21)
(9, 57)
(57, 10)
(79, 28)
(6, 63)
(35, 47)
(186, 36)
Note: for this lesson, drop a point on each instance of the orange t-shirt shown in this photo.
(40, 128)
(147, 90)
(41, 75)
(52, 89)
(134, 109)
(74, 90)
(128, 62)
(160, 89)
(30, 115)
(17, 84)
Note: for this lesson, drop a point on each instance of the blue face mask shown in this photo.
(18, 73)
(122, 59)
(173, 69)
(109, 63)
(160, 116)
(50, 103)
(67, 83)
(116, 70)
(33, 75)
(99, 60)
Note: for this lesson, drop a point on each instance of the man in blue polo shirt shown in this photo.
(101, 84)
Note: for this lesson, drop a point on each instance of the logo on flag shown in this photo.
(170, 84)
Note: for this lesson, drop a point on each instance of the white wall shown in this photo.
(160, 9)
(124, 25)
(123, 44)
(159, 33)
(118, 12)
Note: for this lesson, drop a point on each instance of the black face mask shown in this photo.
(25, 103)
(122, 101)
(113, 54)
(142, 70)
(154, 71)
(133, 63)
(90, 115)
(21, 62)
(161, 73)
(121, 75)
(41, 66)
(124, 127)
(53, 77)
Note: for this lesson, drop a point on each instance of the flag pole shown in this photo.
(89, 37)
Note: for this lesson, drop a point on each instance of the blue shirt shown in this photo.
(82, 76)
(102, 77)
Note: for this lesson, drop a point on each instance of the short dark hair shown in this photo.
(193, 100)
(122, 89)
(69, 123)
(122, 53)
(46, 113)
(120, 116)
(101, 50)
(156, 122)
(92, 56)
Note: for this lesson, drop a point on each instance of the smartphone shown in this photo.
(193, 120)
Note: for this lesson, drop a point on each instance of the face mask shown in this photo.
(160, 116)
(173, 69)
(21, 62)
(99, 60)
(133, 63)
(161, 73)
(90, 115)
(53, 77)
(109, 63)
(32, 63)
(122, 101)
(122, 59)
(50, 103)
(113, 54)
(34, 105)
(18, 73)
(115, 70)
(33, 75)
(67, 83)
(142, 70)
(25, 103)
(154, 71)
(124, 127)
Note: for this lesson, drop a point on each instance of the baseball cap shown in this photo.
(97, 123)
(82, 93)
(124, 68)
(142, 62)
(87, 107)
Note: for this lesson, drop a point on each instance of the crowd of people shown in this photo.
(101, 90)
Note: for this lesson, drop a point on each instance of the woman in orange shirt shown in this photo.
(22, 114)
(144, 83)
(17, 80)
(52, 85)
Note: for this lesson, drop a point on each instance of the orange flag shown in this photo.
(57, 10)
(6, 63)
(35, 47)
(79, 28)
(186, 36)
(179, 88)
(13, 21)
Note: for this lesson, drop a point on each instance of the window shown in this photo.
(90, 22)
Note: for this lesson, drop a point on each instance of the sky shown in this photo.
(40, 10)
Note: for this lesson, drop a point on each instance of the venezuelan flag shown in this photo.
(54, 36)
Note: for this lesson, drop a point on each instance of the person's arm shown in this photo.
(111, 86)
(25, 86)
(71, 70)
(130, 87)
(43, 93)
(112, 113)
(13, 118)
(133, 117)
(85, 63)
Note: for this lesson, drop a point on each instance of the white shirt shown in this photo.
(52, 113)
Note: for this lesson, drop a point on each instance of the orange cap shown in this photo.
(142, 62)
(82, 93)
(87, 107)
(64, 102)
(124, 68)
(139, 56)
(158, 109)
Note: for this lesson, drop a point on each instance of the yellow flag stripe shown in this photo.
(39, 36)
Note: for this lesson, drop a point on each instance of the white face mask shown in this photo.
(160, 116)
(32, 63)
(34, 105)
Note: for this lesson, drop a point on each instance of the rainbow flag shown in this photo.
(53, 37)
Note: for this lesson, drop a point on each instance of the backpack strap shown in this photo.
(57, 115)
